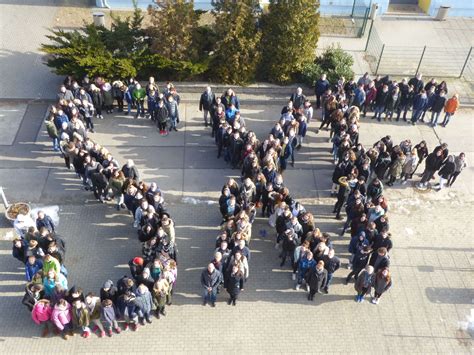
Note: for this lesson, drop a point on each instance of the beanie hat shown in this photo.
(138, 261)
(108, 284)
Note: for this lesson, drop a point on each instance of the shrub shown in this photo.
(290, 36)
(334, 62)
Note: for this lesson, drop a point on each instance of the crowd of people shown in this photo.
(135, 297)
(358, 183)
(359, 178)
(80, 103)
(386, 96)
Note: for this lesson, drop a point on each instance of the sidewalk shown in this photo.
(452, 33)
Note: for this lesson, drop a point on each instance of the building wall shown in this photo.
(424, 5)
(461, 8)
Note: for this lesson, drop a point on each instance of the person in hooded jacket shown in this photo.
(61, 317)
(109, 291)
(41, 314)
(144, 304)
(316, 278)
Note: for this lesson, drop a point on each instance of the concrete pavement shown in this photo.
(432, 272)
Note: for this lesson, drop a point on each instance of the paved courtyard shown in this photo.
(426, 311)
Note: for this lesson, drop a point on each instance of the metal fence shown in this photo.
(408, 61)
(347, 21)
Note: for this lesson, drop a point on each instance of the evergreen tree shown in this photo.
(172, 25)
(237, 54)
(289, 39)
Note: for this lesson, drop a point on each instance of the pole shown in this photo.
(353, 8)
(465, 62)
(4, 198)
(421, 59)
(368, 36)
(380, 59)
(364, 25)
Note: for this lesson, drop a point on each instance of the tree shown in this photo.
(237, 54)
(172, 25)
(334, 62)
(289, 39)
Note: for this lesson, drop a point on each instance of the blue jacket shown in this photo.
(356, 244)
(321, 86)
(46, 222)
(228, 100)
(31, 270)
(359, 97)
(58, 121)
(420, 103)
(304, 265)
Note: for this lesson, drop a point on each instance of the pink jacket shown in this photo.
(61, 317)
(41, 312)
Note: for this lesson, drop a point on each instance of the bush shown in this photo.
(334, 62)
(290, 36)
(237, 54)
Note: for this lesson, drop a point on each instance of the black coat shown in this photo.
(447, 170)
(438, 104)
(316, 279)
(206, 101)
(233, 283)
(433, 162)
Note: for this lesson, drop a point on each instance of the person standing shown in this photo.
(448, 168)
(381, 102)
(331, 264)
(363, 283)
(419, 104)
(432, 165)
(173, 112)
(381, 282)
(316, 278)
(44, 220)
(205, 103)
(460, 163)
(320, 88)
(210, 281)
(450, 109)
(234, 283)
(438, 104)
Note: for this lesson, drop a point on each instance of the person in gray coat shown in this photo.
(381, 283)
(211, 278)
(173, 112)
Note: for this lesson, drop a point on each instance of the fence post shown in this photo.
(353, 8)
(421, 59)
(380, 59)
(368, 36)
(364, 24)
(465, 62)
